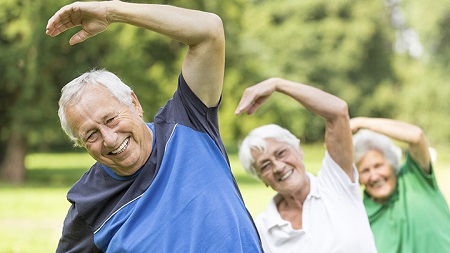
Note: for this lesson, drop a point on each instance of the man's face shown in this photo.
(114, 134)
(377, 175)
(281, 167)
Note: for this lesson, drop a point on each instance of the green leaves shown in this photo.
(343, 47)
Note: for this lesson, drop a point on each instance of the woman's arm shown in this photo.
(338, 136)
(401, 131)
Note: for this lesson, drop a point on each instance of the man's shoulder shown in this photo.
(89, 183)
(97, 194)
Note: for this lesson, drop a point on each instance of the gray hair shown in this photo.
(366, 140)
(256, 140)
(72, 92)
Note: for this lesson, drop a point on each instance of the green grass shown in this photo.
(31, 218)
(31, 214)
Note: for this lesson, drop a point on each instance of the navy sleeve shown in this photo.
(187, 109)
(77, 236)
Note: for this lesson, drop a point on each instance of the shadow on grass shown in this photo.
(65, 178)
(49, 178)
(246, 180)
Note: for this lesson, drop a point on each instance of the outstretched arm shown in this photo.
(401, 131)
(203, 66)
(338, 138)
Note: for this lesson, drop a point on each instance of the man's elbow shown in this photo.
(216, 31)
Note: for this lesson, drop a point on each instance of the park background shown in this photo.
(385, 58)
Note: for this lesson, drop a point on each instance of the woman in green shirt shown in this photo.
(406, 209)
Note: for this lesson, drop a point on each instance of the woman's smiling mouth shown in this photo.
(286, 175)
(378, 183)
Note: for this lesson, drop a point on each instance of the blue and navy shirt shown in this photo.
(184, 198)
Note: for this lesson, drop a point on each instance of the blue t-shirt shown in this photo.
(184, 199)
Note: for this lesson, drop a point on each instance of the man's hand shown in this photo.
(91, 16)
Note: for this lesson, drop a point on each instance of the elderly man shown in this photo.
(164, 186)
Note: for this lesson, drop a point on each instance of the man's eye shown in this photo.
(91, 136)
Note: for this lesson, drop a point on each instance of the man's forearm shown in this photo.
(184, 25)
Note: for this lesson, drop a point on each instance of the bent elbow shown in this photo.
(342, 109)
(418, 135)
(216, 30)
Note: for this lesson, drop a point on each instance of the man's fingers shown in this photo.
(62, 20)
(79, 37)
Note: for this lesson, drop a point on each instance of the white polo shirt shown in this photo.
(334, 218)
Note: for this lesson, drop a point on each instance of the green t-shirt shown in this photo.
(416, 219)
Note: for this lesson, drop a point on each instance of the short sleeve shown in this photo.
(77, 236)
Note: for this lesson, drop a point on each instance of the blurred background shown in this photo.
(385, 58)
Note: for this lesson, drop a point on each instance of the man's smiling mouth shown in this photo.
(122, 147)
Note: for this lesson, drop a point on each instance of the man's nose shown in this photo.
(109, 137)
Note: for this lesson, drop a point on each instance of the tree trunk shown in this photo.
(12, 167)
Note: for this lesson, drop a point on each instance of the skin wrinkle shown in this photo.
(126, 124)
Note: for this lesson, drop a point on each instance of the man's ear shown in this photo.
(136, 105)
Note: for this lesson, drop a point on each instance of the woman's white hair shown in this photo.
(256, 140)
(365, 140)
(72, 92)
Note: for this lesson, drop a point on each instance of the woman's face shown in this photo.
(281, 167)
(377, 175)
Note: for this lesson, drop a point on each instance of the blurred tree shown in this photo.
(424, 97)
(343, 47)
(33, 69)
(35, 66)
(21, 103)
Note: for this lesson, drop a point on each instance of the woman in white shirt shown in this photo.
(308, 213)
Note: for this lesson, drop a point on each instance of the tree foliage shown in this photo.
(340, 46)
(344, 47)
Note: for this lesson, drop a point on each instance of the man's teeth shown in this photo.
(286, 175)
(121, 148)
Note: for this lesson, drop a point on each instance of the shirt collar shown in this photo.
(272, 217)
(374, 209)
(313, 189)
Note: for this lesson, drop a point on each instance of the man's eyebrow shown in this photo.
(110, 115)
(107, 116)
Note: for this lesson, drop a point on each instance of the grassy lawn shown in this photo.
(31, 215)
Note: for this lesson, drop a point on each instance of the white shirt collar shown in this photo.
(273, 217)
